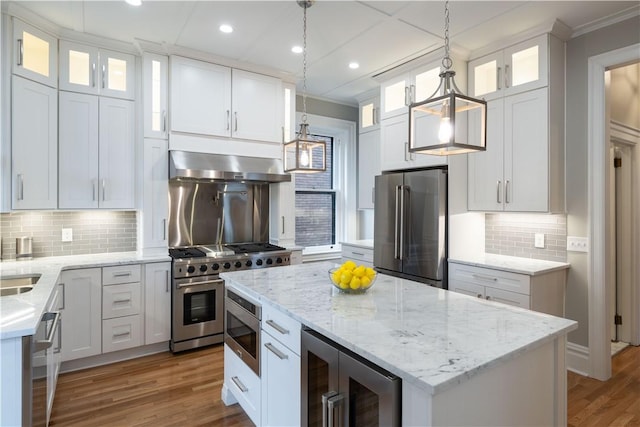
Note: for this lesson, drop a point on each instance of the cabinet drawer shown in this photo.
(121, 300)
(506, 297)
(282, 327)
(243, 383)
(120, 274)
(122, 333)
(357, 254)
(498, 279)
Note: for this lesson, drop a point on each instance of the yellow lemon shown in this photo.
(349, 265)
(370, 272)
(365, 281)
(343, 285)
(355, 283)
(336, 276)
(359, 271)
(346, 276)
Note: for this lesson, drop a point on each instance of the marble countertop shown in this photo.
(528, 266)
(431, 337)
(366, 244)
(20, 314)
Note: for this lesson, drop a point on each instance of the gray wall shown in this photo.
(328, 109)
(579, 50)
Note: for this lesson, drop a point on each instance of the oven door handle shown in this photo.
(196, 284)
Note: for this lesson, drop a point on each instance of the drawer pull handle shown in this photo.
(483, 277)
(488, 297)
(479, 295)
(357, 253)
(239, 384)
(123, 334)
(122, 274)
(275, 351)
(119, 301)
(277, 327)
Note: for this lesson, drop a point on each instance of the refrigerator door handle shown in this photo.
(332, 403)
(396, 254)
(325, 409)
(402, 222)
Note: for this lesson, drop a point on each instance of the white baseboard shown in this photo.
(115, 356)
(578, 359)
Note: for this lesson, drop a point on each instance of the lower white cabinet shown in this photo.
(541, 292)
(122, 315)
(81, 313)
(243, 383)
(121, 300)
(121, 333)
(358, 254)
(155, 190)
(157, 302)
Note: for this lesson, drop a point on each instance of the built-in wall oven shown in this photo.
(242, 328)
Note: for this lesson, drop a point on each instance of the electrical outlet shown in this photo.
(539, 240)
(67, 234)
(577, 244)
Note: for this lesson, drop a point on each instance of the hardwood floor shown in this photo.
(184, 390)
(615, 402)
(159, 390)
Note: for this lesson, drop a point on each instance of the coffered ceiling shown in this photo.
(379, 35)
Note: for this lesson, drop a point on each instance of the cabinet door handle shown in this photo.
(63, 295)
(104, 185)
(506, 192)
(282, 224)
(498, 71)
(406, 95)
(406, 150)
(235, 121)
(277, 327)
(506, 76)
(498, 192)
(166, 286)
(412, 94)
(164, 121)
(20, 187)
(93, 75)
(373, 116)
(59, 349)
(20, 52)
(104, 75)
(275, 351)
(483, 277)
(93, 188)
(164, 229)
(228, 120)
(239, 384)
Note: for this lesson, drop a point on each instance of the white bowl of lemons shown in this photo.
(352, 278)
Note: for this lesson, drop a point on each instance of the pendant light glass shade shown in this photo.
(304, 154)
(450, 123)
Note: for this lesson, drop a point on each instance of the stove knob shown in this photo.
(259, 262)
(203, 268)
(191, 269)
(238, 264)
(269, 261)
(227, 265)
(248, 263)
(215, 266)
(279, 260)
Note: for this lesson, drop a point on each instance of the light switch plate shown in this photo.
(539, 240)
(577, 244)
(67, 234)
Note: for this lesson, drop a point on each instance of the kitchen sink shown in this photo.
(14, 285)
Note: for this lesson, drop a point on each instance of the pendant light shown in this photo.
(451, 123)
(304, 154)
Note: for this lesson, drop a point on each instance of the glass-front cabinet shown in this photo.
(87, 69)
(398, 93)
(155, 91)
(369, 114)
(35, 54)
(513, 70)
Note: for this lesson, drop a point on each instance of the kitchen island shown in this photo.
(462, 360)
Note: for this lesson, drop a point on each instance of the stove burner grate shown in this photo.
(178, 253)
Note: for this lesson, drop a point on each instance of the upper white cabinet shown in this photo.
(396, 94)
(368, 167)
(369, 112)
(516, 69)
(34, 136)
(282, 212)
(155, 90)
(35, 54)
(155, 200)
(91, 70)
(214, 100)
(522, 169)
(97, 153)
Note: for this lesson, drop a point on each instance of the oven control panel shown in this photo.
(193, 267)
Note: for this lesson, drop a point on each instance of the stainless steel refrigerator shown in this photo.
(410, 225)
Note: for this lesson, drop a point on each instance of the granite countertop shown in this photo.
(366, 244)
(20, 314)
(520, 265)
(430, 337)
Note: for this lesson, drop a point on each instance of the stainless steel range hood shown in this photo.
(185, 165)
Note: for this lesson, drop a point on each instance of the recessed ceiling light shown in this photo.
(296, 49)
(134, 2)
(354, 65)
(226, 28)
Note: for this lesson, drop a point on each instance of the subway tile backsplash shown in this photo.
(513, 234)
(93, 232)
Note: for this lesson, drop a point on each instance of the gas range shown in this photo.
(207, 260)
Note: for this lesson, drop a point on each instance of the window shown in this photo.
(316, 203)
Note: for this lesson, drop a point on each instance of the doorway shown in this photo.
(600, 271)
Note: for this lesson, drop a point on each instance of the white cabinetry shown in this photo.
(213, 100)
(243, 383)
(282, 213)
(280, 368)
(357, 253)
(34, 137)
(523, 167)
(122, 319)
(155, 201)
(368, 167)
(97, 152)
(81, 313)
(155, 90)
(541, 292)
(394, 151)
(35, 54)
(95, 71)
(157, 302)
(397, 93)
(369, 114)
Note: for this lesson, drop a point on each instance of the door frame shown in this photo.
(598, 146)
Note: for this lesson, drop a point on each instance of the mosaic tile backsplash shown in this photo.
(513, 234)
(93, 232)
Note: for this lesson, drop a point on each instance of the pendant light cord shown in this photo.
(446, 61)
(304, 65)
